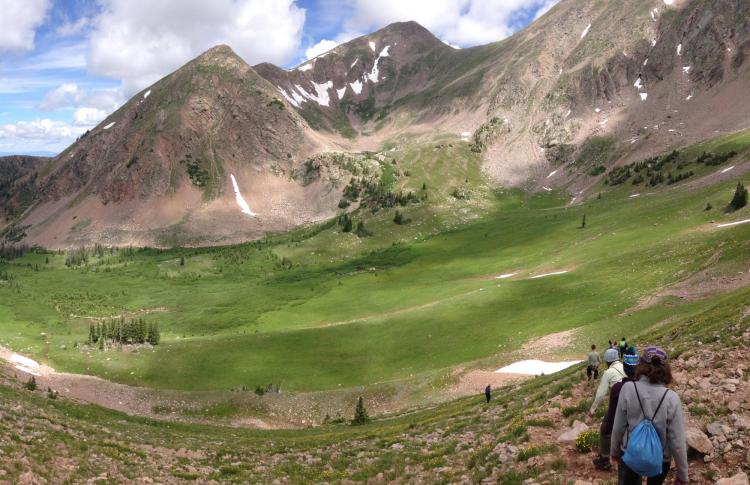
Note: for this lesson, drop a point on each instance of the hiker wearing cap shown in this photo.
(593, 368)
(629, 363)
(611, 376)
(622, 346)
(649, 420)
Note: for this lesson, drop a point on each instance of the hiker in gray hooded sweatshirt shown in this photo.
(652, 376)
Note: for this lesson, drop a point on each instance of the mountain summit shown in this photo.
(618, 81)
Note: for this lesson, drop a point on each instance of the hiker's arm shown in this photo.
(601, 391)
(619, 426)
(677, 441)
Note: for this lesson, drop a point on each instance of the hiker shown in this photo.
(593, 367)
(645, 404)
(488, 392)
(611, 376)
(623, 346)
(629, 363)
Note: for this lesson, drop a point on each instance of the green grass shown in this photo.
(410, 301)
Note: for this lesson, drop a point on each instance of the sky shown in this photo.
(66, 64)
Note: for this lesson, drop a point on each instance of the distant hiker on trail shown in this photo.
(488, 392)
(622, 346)
(648, 398)
(593, 367)
(611, 376)
(629, 362)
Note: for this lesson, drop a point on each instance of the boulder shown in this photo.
(738, 479)
(698, 441)
(572, 434)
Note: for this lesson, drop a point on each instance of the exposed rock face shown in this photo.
(637, 80)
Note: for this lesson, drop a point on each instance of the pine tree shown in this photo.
(740, 198)
(583, 222)
(31, 384)
(361, 231)
(360, 414)
(153, 334)
(182, 260)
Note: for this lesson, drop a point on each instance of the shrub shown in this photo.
(585, 441)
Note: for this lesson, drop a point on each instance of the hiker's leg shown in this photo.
(659, 479)
(626, 476)
(605, 441)
(596, 373)
(588, 372)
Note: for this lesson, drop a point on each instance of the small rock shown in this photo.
(738, 479)
(698, 441)
(715, 429)
(572, 434)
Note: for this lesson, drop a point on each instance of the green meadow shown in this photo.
(319, 309)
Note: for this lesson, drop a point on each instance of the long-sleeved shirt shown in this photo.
(669, 421)
(611, 376)
(614, 396)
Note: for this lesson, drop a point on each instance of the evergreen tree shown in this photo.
(182, 260)
(31, 384)
(361, 231)
(360, 414)
(153, 334)
(708, 207)
(740, 198)
(583, 222)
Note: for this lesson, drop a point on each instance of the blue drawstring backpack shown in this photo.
(644, 453)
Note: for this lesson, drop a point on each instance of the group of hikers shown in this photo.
(643, 429)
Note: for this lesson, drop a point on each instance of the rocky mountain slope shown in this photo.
(587, 86)
(14, 170)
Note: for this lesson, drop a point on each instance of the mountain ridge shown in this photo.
(534, 107)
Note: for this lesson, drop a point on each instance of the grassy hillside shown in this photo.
(322, 309)
(464, 440)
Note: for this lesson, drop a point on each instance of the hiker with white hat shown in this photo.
(614, 374)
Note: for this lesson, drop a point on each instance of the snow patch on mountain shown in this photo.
(244, 207)
(356, 86)
(585, 31)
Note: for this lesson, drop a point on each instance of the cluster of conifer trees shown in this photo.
(121, 331)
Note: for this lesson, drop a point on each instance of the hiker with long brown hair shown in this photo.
(648, 400)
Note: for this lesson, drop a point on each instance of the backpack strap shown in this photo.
(639, 399)
(641, 404)
(660, 403)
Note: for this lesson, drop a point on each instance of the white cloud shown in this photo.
(88, 116)
(458, 22)
(18, 22)
(321, 47)
(40, 134)
(63, 96)
(139, 41)
(73, 27)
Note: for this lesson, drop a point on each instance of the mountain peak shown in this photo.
(222, 55)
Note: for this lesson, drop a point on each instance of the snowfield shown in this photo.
(110, 125)
(536, 367)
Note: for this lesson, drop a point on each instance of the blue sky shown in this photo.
(66, 64)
